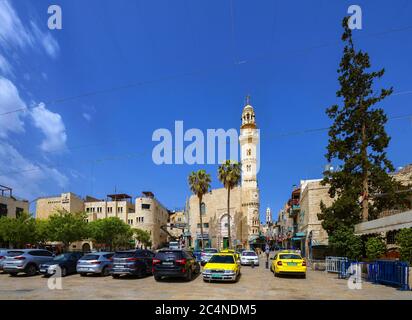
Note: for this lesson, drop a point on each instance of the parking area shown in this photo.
(254, 283)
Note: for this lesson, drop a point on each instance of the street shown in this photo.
(257, 283)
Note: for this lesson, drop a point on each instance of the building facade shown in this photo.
(11, 206)
(47, 206)
(244, 199)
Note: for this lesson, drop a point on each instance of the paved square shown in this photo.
(257, 283)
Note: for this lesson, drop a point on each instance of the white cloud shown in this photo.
(5, 66)
(50, 45)
(12, 31)
(25, 177)
(10, 100)
(87, 116)
(52, 126)
(14, 34)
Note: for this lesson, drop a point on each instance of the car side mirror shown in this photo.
(272, 258)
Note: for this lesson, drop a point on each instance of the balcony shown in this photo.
(294, 208)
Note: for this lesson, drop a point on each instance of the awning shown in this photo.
(300, 234)
(395, 222)
(297, 239)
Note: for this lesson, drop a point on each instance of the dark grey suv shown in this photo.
(133, 262)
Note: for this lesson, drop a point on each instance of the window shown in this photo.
(99, 209)
(3, 210)
(109, 209)
(119, 209)
(145, 206)
(205, 225)
(249, 152)
(87, 209)
(203, 208)
(19, 212)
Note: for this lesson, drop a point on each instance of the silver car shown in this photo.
(249, 257)
(26, 261)
(207, 254)
(95, 262)
(4, 253)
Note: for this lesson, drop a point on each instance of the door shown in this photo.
(225, 243)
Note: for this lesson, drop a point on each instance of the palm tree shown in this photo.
(199, 183)
(229, 173)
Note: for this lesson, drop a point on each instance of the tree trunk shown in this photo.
(365, 174)
(228, 219)
(201, 222)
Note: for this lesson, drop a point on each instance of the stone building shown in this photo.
(11, 206)
(244, 199)
(46, 206)
(314, 237)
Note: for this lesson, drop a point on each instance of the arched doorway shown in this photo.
(86, 247)
(224, 230)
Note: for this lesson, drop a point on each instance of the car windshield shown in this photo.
(13, 253)
(290, 256)
(62, 257)
(167, 255)
(221, 259)
(249, 253)
(210, 250)
(91, 257)
(127, 254)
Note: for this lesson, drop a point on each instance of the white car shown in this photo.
(249, 257)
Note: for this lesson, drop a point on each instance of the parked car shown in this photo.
(235, 253)
(132, 262)
(287, 262)
(67, 263)
(249, 257)
(4, 253)
(95, 263)
(197, 254)
(207, 254)
(222, 267)
(26, 261)
(175, 263)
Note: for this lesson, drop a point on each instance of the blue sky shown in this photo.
(193, 61)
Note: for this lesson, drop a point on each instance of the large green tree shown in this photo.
(199, 183)
(358, 142)
(18, 231)
(110, 231)
(143, 236)
(229, 173)
(67, 227)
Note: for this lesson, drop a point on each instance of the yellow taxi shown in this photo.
(222, 267)
(237, 255)
(288, 262)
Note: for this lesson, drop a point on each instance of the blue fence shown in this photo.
(395, 273)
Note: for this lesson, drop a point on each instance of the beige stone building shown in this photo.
(47, 206)
(244, 200)
(115, 205)
(177, 223)
(314, 237)
(11, 206)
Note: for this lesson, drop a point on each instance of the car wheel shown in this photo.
(64, 272)
(275, 274)
(13, 274)
(82, 274)
(189, 275)
(158, 278)
(304, 276)
(105, 272)
(31, 270)
(115, 276)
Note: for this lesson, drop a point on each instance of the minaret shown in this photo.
(249, 143)
(268, 216)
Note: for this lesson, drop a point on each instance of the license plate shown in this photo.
(215, 276)
(43, 270)
(167, 263)
(292, 264)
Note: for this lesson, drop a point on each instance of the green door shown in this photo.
(225, 243)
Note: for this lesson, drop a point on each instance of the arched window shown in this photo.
(203, 208)
(249, 152)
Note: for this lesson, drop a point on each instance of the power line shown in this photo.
(197, 72)
(133, 155)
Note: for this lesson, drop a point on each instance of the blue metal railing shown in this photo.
(395, 273)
